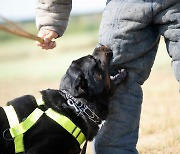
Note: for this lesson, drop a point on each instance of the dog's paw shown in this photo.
(119, 77)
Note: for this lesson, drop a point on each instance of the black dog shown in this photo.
(82, 102)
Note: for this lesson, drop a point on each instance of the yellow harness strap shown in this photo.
(67, 124)
(13, 122)
(18, 129)
(40, 102)
(26, 124)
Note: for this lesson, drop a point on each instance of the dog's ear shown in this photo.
(74, 81)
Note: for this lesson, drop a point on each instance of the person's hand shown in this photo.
(47, 36)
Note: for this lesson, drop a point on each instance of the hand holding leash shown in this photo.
(47, 36)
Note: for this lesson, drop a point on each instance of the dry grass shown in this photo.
(160, 119)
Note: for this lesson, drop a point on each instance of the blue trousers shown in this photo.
(132, 29)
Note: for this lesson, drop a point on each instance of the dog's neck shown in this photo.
(58, 101)
(80, 107)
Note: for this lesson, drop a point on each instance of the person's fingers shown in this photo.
(50, 45)
(50, 35)
(39, 44)
(46, 40)
(47, 36)
(42, 33)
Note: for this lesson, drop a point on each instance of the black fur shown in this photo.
(88, 80)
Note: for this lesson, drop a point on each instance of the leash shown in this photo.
(14, 29)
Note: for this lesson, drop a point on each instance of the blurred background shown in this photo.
(26, 69)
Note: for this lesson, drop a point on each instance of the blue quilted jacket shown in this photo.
(132, 28)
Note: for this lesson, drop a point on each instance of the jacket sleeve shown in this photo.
(53, 15)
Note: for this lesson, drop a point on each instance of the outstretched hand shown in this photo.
(47, 36)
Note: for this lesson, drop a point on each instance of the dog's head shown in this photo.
(88, 77)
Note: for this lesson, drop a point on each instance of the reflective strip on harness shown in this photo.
(26, 124)
(19, 143)
(18, 129)
(13, 121)
(40, 102)
(67, 124)
(11, 115)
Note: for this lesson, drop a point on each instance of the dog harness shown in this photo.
(17, 129)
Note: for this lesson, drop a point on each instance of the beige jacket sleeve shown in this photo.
(53, 14)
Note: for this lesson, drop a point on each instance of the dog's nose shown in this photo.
(104, 54)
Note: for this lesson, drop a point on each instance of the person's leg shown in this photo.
(119, 133)
(167, 17)
(126, 29)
